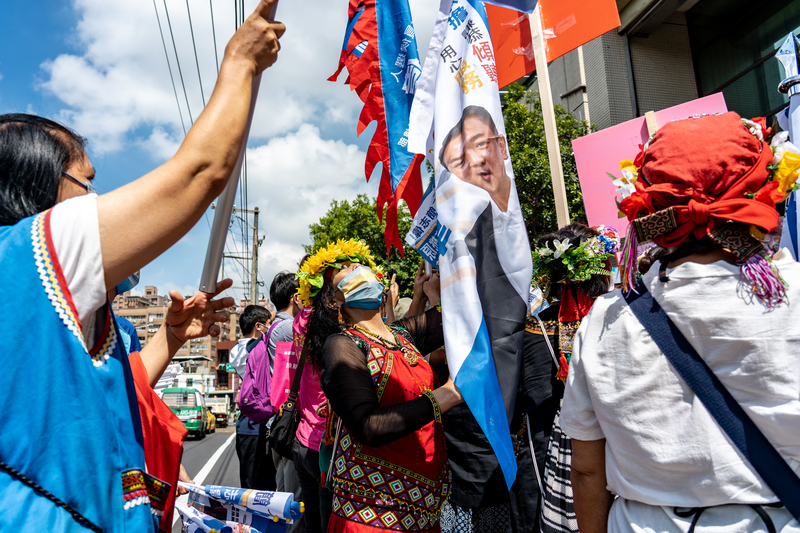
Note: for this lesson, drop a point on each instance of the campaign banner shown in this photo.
(423, 235)
(193, 519)
(279, 504)
(236, 514)
(382, 60)
(484, 254)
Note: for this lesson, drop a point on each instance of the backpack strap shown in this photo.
(269, 332)
(730, 416)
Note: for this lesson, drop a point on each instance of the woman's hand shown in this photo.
(419, 281)
(448, 395)
(417, 305)
(433, 290)
(197, 316)
(183, 476)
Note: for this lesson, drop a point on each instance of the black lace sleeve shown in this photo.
(425, 329)
(348, 385)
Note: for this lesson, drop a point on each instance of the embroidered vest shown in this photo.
(400, 486)
(70, 415)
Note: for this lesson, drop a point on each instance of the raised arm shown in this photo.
(168, 201)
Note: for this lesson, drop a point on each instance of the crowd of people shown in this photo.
(610, 433)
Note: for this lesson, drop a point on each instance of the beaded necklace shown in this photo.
(411, 356)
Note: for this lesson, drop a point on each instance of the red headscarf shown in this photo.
(707, 170)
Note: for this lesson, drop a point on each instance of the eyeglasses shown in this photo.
(475, 146)
(88, 186)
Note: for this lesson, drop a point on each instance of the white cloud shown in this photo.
(121, 82)
(161, 143)
(117, 92)
(292, 180)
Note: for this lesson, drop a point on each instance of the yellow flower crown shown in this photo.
(312, 271)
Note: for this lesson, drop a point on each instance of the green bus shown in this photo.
(190, 407)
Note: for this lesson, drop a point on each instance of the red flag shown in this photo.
(567, 24)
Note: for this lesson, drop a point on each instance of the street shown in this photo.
(212, 461)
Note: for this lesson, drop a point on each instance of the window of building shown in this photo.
(734, 43)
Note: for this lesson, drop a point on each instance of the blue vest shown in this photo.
(70, 415)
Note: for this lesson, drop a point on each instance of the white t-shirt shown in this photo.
(75, 231)
(662, 446)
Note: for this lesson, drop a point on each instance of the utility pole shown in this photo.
(254, 268)
(254, 254)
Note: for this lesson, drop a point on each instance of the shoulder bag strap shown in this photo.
(547, 340)
(298, 374)
(741, 430)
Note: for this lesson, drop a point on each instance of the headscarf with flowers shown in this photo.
(570, 265)
(312, 273)
(714, 176)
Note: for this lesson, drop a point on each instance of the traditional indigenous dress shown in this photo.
(70, 413)
(538, 401)
(390, 467)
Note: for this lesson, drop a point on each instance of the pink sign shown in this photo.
(598, 154)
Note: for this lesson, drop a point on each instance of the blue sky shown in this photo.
(100, 67)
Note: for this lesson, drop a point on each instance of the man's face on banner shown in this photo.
(478, 156)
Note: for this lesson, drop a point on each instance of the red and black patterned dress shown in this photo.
(390, 469)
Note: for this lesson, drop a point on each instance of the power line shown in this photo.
(196, 60)
(178, 61)
(213, 34)
(171, 77)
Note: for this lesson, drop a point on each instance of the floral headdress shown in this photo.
(312, 272)
(582, 261)
(714, 176)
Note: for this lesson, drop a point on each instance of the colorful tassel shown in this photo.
(628, 268)
(768, 284)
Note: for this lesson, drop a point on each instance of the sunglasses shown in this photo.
(88, 186)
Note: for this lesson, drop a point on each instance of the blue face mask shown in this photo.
(128, 283)
(361, 289)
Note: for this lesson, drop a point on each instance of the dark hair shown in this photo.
(470, 111)
(284, 285)
(34, 151)
(324, 323)
(576, 232)
(650, 256)
(251, 315)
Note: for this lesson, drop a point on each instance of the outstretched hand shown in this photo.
(197, 316)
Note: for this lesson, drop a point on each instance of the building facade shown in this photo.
(668, 52)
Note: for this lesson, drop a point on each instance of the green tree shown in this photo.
(358, 220)
(528, 149)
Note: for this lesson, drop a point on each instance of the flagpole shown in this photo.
(224, 210)
(549, 116)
